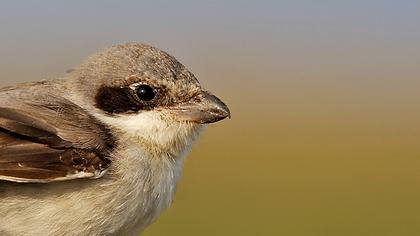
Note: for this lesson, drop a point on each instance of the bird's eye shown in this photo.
(145, 93)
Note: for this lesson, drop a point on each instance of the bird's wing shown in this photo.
(48, 138)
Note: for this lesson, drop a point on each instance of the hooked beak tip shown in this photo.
(222, 110)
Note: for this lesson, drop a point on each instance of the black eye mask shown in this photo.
(117, 100)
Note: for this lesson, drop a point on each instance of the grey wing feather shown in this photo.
(50, 139)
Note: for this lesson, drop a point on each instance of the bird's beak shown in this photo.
(203, 109)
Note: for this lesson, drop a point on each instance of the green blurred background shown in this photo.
(325, 135)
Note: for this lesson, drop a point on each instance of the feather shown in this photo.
(51, 141)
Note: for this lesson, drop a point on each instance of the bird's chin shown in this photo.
(190, 128)
(178, 137)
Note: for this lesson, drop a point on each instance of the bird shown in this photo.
(99, 150)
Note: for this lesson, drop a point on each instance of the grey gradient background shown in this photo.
(324, 138)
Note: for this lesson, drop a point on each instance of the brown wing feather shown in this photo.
(51, 139)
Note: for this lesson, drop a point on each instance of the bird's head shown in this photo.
(146, 93)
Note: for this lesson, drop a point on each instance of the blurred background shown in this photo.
(325, 135)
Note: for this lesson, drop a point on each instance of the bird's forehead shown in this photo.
(138, 62)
